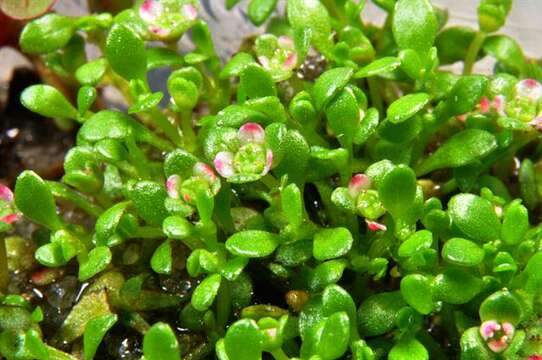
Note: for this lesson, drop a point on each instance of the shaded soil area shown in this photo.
(27, 140)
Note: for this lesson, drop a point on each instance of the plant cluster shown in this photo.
(331, 191)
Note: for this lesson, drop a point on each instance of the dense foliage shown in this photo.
(331, 191)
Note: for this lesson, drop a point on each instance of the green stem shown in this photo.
(4, 271)
(162, 122)
(472, 52)
(223, 307)
(138, 158)
(148, 232)
(188, 131)
(270, 181)
(279, 354)
(375, 95)
(63, 192)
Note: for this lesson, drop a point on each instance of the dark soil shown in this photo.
(27, 140)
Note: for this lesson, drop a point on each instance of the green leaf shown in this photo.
(50, 255)
(35, 200)
(462, 252)
(107, 223)
(146, 102)
(378, 67)
(453, 42)
(184, 93)
(161, 57)
(465, 95)
(492, 14)
(416, 290)
(406, 106)
(329, 84)
(148, 198)
(515, 223)
(328, 272)
(47, 34)
(414, 25)
(125, 52)
(501, 306)
(160, 343)
(252, 243)
(335, 299)
(295, 253)
(398, 190)
(507, 51)
(528, 184)
(161, 261)
(21, 10)
(475, 217)
(91, 305)
(377, 314)
(260, 10)
(456, 286)
(311, 14)
(333, 336)
(295, 164)
(415, 243)
(402, 132)
(176, 227)
(367, 126)
(332, 243)
(411, 63)
(408, 348)
(342, 115)
(205, 293)
(92, 72)
(94, 333)
(292, 205)
(255, 82)
(97, 260)
(244, 341)
(85, 98)
(48, 101)
(235, 66)
(461, 149)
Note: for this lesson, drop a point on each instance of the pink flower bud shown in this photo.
(498, 345)
(9, 219)
(172, 186)
(462, 117)
(264, 60)
(535, 357)
(224, 164)
(488, 328)
(498, 104)
(358, 183)
(530, 89)
(290, 62)
(537, 123)
(375, 226)
(5, 193)
(484, 105)
(268, 162)
(150, 10)
(286, 42)
(497, 336)
(205, 171)
(190, 12)
(158, 30)
(251, 132)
